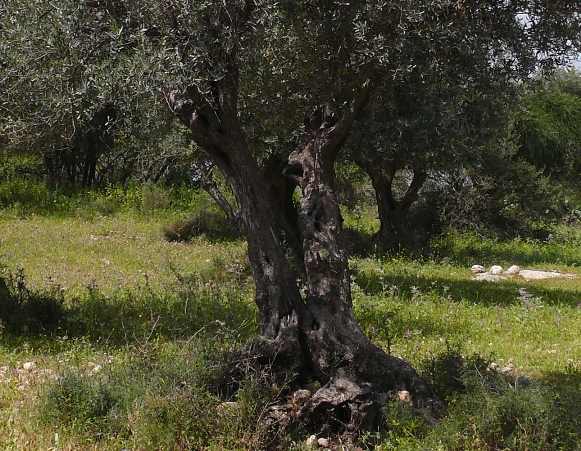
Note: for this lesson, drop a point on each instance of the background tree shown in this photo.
(549, 128)
(68, 93)
(416, 130)
(444, 114)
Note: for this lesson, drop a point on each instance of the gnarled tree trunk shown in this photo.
(303, 290)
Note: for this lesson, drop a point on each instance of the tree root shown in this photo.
(346, 403)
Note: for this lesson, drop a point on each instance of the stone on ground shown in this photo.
(514, 269)
(495, 270)
(477, 269)
(487, 277)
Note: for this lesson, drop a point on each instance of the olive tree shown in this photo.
(457, 103)
(270, 91)
(67, 91)
(228, 68)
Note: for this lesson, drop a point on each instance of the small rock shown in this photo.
(508, 370)
(495, 270)
(530, 274)
(514, 269)
(404, 396)
(301, 396)
(487, 277)
(312, 441)
(493, 366)
(29, 366)
(477, 269)
(323, 443)
(95, 369)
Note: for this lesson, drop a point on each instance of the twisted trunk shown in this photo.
(359, 376)
(315, 334)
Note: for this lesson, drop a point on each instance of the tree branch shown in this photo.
(340, 131)
(411, 194)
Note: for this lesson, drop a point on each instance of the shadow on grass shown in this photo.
(126, 317)
(483, 293)
(567, 386)
(390, 325)
(469, 250)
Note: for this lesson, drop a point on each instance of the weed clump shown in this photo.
(26, 311)
(77, 401)
(155, 197)
(213, 225)
(486, 409)
(158, 398)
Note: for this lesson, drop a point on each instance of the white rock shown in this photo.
(301, 396)
(95, 369)
(487, 277)
(323, 443)
(530, 274)
(404, 396)
(514, 269)
(29, 366)
(493, 366)
(495, 270)
(312, 441)
(477, 269)
(509, 369)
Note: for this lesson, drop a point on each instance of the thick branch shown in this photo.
(411, 194)
(339, 133)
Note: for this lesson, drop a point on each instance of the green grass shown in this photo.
(108, 252)
(157, 316)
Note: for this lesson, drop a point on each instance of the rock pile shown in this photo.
(496, 273)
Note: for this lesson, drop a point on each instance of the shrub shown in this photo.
(486, 410)
(212, 225)
(26, 311)
(158, 398)
(154, 197)
(106, 206)
(507, 198)
(77, 401)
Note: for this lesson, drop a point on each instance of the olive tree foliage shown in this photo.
(449, 112)
(549, 125)
(270, 91)
(68, 94)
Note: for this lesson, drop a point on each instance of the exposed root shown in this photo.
(349, 402)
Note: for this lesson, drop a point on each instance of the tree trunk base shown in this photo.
(343, 404)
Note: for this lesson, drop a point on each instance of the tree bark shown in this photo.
(394, 229)
(317, 332)
(357, 374)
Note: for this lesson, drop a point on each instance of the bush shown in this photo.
(158, 398)
(154, 197)
(29, 312)
(77, 401)
(504, 197)
(486, 410)
(212, 225)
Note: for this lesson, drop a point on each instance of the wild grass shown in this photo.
(126, 332)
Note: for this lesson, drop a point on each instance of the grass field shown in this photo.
(144, 322)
